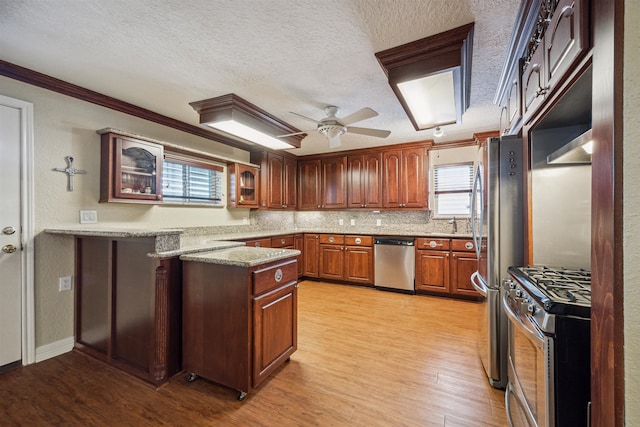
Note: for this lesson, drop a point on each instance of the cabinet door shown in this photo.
(463, 265)
(432, 271)
(392, 169)
(311, 255)
(413, 178)
(355, 181)
(275, 335)
(275, 172)
(372, 180)
(298, 243)
(533, 82)
(290, 183)
(358, 262)
(513, 115)
(334, 183)
(309, 194)
(243, 186)
(332, 262)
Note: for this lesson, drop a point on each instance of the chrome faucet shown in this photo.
(454, 225)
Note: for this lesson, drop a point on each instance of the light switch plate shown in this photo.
(88, 217)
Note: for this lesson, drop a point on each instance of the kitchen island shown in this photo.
(239, 314)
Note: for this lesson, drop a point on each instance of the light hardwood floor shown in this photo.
(365, 358)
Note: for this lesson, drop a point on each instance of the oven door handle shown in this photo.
(534, 335)
(477, 284)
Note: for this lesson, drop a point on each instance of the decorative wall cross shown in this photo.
(70, 171)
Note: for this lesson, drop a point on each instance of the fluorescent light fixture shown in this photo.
(245, 132)
(431, 77)
(576, 151)
(238, 117)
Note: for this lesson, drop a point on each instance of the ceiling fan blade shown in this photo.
(296, 133)
(378, 133)
(306, 118)
(365, 113)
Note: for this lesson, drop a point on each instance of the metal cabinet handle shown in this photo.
(9, 249)
(8, 230)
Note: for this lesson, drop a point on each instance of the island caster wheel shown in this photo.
(242, 395)
(191, 377)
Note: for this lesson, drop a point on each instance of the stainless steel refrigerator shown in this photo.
(497, 214)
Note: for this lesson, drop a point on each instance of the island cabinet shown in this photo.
(346, 258)
(239, 323)
(278, 180)
(364, 175)
(129, 306)
(404, 178)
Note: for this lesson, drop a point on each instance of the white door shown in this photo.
(10, 236)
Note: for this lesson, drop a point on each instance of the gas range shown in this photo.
(559, 291)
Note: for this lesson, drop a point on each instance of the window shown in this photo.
(186, 180)
(452, 189)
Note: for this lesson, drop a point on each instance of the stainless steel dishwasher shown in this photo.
(395, 263)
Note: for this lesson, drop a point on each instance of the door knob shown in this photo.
(9, 249)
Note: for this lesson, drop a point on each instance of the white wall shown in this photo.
(631, 176)
(66, 126)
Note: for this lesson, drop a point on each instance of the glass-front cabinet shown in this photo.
(243, 186)
(131, 170)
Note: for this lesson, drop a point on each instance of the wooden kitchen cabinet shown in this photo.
(364, 180)
(404, 178)
(239, 323)
(130, 170)
(128, 306)
(259, 243)
(346, 258)
(334, 182)
(243, 186)
(278, 179)
(309, 190)
(511, 109)
(311, 255)
(432, 266)
(298, 243)
(464, 263)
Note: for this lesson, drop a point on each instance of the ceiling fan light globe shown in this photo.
(438, 132)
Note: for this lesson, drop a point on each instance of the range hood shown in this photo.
(577, 151)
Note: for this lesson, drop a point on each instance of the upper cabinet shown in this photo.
(364, 180)
(404, 178)
(244, 185)
(130, 169)
(550, 37)
(309, 193)
(323, 183)
(279, 180)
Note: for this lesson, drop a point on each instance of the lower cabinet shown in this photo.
(239, 323)
(128, 306)
(445, 266)
(345, 257)
(311, 255)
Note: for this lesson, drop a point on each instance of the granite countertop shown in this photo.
(243, 256)
(101, 231)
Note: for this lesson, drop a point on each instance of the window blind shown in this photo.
(452, 186)
(186, 182)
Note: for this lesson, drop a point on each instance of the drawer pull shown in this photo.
(278, 275)
(331, 239)
(358, 240)
(468, 245)
(433, 244)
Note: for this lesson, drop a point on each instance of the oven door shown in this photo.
(529, 389)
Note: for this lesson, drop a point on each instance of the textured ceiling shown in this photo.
(282, 55)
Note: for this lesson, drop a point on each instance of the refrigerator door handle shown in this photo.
(477, 284)
(477, 190)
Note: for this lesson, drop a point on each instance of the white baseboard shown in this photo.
(54, 349)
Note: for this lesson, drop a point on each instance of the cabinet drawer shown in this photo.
(281, 241)
(462, 245)
(259, 243)
(332, 239)
(358, 240)
(435, 244)
(273, 276)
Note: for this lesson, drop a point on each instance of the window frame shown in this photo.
(173, 157)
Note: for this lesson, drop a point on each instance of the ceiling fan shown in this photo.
(332, 127)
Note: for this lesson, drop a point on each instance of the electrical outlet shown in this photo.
(65, 283)
(245, 220)
(352, 222)
(378, 222)
(88, 217)
(340, 221)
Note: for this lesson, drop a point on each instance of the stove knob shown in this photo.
(518, 293)
(531, 309)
